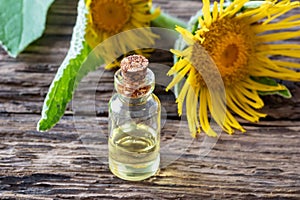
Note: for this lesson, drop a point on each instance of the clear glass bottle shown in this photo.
(134, 122)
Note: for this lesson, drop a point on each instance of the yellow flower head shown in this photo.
(109, 17)
(242, 42)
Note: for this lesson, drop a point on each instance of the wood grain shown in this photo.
(69, 162)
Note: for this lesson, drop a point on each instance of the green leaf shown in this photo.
(269, 81)
(66, 79)
(21, 22)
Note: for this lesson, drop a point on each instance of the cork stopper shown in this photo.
(134, 68)
(134, 71)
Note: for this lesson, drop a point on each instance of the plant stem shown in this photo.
(165, 20)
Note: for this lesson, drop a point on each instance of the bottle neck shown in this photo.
(134, 92)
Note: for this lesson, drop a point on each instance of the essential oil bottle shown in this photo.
(134, 121)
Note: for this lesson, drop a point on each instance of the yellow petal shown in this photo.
(215, 12)
(253, 85)
(187, 36)
(286, 64)
(181, 97)
(206, 12)
(278, 36)
(178, 77)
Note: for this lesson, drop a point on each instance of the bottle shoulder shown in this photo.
(117, 99)
(118, 105)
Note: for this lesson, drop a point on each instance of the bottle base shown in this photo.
(134, 172)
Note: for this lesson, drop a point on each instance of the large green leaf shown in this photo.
(66, 79)
(21, 22)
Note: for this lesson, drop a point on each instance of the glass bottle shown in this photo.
(134, 122)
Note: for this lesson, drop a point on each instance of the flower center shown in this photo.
(230, 43)
(110, 15)
(229, 55)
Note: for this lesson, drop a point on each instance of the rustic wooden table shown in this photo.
(263, 163)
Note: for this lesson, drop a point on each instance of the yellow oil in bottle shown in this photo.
(134, 152)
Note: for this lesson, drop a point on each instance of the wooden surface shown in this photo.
(65, 163)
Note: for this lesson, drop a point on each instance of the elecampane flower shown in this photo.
(243, 44)
(109, 17)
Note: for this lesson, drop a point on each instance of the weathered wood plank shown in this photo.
(58, 164)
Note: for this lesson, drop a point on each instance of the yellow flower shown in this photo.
(242, 42)
(109, 17)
